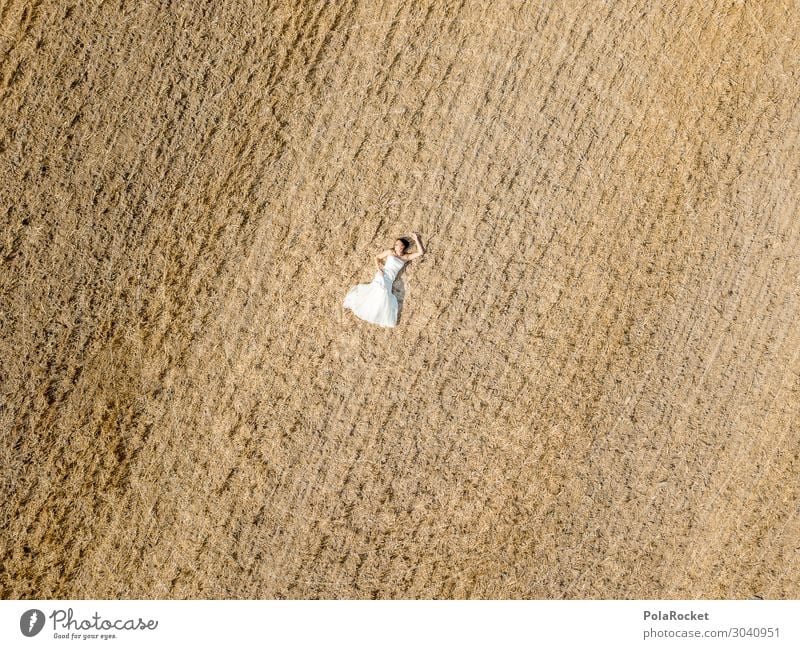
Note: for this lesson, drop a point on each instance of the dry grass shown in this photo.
(593, 391)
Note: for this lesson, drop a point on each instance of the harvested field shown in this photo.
(594, 386)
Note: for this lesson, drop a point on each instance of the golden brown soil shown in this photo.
(593, 390)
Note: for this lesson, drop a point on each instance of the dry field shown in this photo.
(594, 387)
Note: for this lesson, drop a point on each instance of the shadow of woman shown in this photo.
(399, 290)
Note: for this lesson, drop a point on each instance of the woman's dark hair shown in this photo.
(406, 243)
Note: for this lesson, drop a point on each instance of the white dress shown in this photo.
(375, 302)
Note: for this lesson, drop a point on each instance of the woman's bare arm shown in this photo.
(380, 256)
(420, 251)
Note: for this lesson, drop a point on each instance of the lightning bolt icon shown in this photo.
(32, 621)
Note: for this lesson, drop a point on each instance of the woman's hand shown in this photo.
(421, 250)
